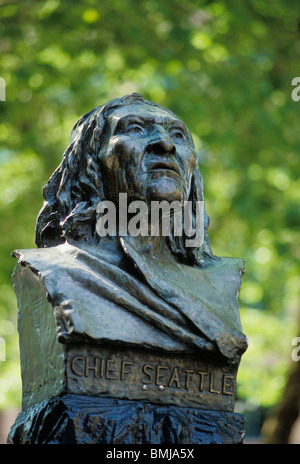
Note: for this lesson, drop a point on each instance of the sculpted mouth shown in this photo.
(164, 166)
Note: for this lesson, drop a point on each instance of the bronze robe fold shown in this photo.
(115, 293)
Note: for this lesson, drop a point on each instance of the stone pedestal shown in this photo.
(79, 419)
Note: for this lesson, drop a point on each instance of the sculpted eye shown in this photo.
(177, 134)
(134, 128)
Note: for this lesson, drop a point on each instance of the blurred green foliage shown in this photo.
(225, 67)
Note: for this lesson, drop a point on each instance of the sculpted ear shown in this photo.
(198, 195)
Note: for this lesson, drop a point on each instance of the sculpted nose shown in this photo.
(161, 142)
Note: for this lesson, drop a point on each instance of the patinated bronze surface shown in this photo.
(138, 318)
(81, 419)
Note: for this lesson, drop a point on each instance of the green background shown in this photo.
(225, 67)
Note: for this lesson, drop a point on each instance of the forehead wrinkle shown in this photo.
(154, 115)
(158, 119)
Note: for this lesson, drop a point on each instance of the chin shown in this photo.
(164, 189)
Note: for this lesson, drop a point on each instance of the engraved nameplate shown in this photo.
(157, 378)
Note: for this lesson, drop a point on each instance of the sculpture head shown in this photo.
(128, 145)
(148, 153)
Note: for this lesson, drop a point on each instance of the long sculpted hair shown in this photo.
(74, 190)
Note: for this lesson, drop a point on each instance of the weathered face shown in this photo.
(149, 154)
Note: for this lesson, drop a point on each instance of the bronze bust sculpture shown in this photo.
(124, 291)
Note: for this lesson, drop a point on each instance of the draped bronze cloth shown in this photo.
(116, 292)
